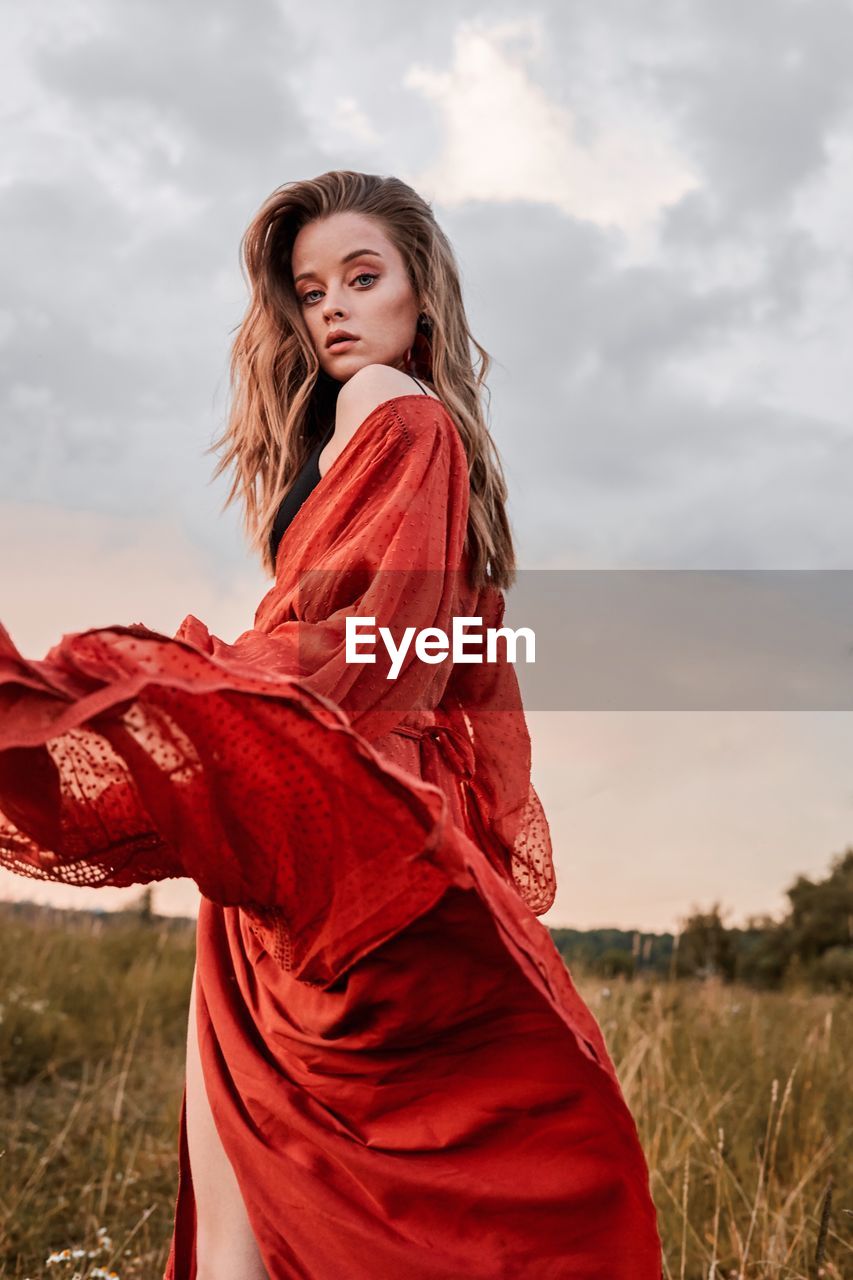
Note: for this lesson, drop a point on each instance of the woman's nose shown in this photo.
(333, 308)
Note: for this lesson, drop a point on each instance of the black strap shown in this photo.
(422, 387)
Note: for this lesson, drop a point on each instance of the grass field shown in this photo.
(742, 1100)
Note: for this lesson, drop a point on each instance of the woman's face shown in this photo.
(340, 285)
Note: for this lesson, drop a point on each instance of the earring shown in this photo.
(420, 354)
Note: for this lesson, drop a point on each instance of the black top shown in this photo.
(307, 479)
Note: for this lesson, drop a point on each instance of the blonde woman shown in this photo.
(389, 1071)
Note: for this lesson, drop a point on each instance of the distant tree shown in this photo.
(583, 949)
(814, 941)
(821, 915)
(615, 962)
(834, 969)
(764, 951)
(705, 947)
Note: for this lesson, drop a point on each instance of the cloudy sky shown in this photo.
(650, 206)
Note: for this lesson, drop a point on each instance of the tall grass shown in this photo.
(92, 1047)
(742, 1101)
(743, 1104)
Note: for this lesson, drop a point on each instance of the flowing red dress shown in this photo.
(400, 1069)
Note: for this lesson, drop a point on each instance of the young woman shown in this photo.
(389, 1071)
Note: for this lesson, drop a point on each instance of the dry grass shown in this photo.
(743, 1104)
(92, 1045)
(742, 1101)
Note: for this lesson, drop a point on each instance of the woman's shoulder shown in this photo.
(381, 382)
(380, 385)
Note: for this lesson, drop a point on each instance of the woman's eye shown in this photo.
(362, 275)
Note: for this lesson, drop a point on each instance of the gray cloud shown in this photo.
(684, 407)
(152, 140)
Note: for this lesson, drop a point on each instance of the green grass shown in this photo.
(741, 1098)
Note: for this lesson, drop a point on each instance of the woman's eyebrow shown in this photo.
(356, 253)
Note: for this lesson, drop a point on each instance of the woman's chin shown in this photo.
(346, 364)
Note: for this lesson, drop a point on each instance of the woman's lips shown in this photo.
(343, 345)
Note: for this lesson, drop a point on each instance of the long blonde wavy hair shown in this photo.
(282, 401)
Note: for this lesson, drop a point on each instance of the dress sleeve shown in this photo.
(392, 550)
(127, 756)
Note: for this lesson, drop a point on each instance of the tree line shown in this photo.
(811, 944)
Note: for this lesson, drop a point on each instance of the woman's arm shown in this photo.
(127, 756)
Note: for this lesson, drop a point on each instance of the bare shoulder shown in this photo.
(368, 388)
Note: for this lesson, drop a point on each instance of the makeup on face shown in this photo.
(330, 279)
(355, 253)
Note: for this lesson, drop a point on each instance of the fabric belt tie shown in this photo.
(454, 745)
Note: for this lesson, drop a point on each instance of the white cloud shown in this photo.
(505, 139)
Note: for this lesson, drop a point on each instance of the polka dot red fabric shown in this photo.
(353, 837)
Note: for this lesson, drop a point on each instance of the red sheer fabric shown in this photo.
(353, 837)
(113, 726)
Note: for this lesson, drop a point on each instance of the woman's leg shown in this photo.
(226, 1247)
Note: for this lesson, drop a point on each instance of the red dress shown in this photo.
(401, 1072)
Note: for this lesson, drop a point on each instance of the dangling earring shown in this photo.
(420, 353)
